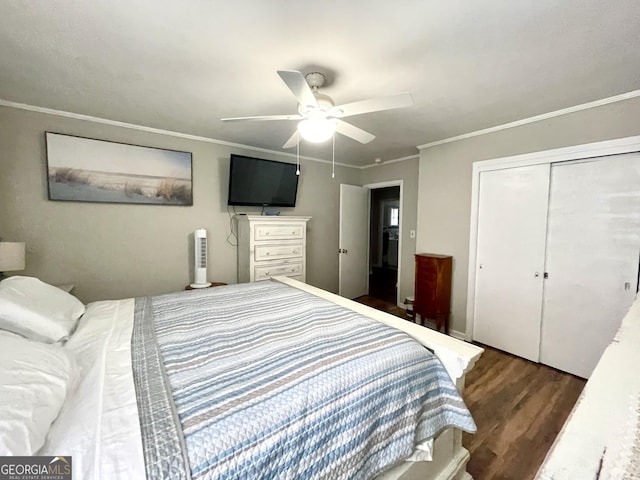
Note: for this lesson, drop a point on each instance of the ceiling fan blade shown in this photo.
(378, 104)
(299, 87)
(293, 140)
(354, 132)
(262, 118)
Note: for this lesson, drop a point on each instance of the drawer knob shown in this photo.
(266, 233)
(267, 254)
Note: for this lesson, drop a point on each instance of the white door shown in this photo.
(593, 247)
(354, 237)
(512, 220)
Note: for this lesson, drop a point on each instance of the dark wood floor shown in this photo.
(383, 305)
(519, 408)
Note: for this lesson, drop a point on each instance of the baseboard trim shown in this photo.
(459, 335)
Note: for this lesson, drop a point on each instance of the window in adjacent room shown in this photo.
(394, 216)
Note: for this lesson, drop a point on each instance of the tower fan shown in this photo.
(200, 259)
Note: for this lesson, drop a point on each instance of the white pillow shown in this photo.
(36, 310)
(34, 380)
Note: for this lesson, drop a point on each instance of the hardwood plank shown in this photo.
(519, 408)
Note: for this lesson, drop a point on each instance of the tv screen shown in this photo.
(264, 183)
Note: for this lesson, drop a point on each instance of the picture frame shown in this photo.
(81, 169)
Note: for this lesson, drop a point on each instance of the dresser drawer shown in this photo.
(263, 272)
(270, 252)
(278, 231)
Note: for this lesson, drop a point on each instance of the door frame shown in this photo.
(374, 186)
(576, 152)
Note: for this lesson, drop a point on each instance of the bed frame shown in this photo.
(449, 456)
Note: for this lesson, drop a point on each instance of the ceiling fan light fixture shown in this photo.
(317, 130)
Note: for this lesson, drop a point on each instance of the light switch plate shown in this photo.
(412, 234)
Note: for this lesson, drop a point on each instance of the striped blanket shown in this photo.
(265, 381)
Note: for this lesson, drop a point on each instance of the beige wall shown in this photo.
(444, 200)
(116, 251)
(406, 171)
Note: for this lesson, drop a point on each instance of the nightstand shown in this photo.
(213, 284)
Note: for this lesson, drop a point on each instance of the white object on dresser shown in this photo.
(269, 246)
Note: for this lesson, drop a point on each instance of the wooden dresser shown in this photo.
(270, 246)
(433, 288)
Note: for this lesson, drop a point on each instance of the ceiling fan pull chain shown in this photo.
(333, 159)
(298, 157)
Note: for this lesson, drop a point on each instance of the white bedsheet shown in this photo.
(98, 425)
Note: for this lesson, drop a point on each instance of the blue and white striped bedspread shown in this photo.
(271, 382)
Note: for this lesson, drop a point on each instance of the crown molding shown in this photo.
(387, 162)
(142, 128)
(497, 128)
(536, 118)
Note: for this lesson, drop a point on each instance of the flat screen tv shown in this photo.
(263, 183)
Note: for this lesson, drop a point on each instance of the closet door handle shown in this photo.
(536, 274)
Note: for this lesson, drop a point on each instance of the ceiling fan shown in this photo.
(318, 117)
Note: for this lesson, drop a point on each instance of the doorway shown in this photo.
(384, 241)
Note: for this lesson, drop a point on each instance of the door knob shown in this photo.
(536, 275)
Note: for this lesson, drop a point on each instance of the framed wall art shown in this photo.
(88, 170)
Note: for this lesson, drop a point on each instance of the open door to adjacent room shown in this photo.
(384, 237)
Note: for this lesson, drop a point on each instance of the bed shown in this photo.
(273, 379)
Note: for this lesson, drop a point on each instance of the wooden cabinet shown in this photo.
(271, 246)
(433, 288)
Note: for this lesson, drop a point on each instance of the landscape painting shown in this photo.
(88, 170)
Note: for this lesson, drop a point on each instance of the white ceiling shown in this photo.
(182, 65)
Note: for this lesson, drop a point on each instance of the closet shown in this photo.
(556, 261)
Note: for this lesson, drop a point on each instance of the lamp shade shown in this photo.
(317, 130)
(12, 256)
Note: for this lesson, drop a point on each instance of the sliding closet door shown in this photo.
(593, 249)
(512, 222)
